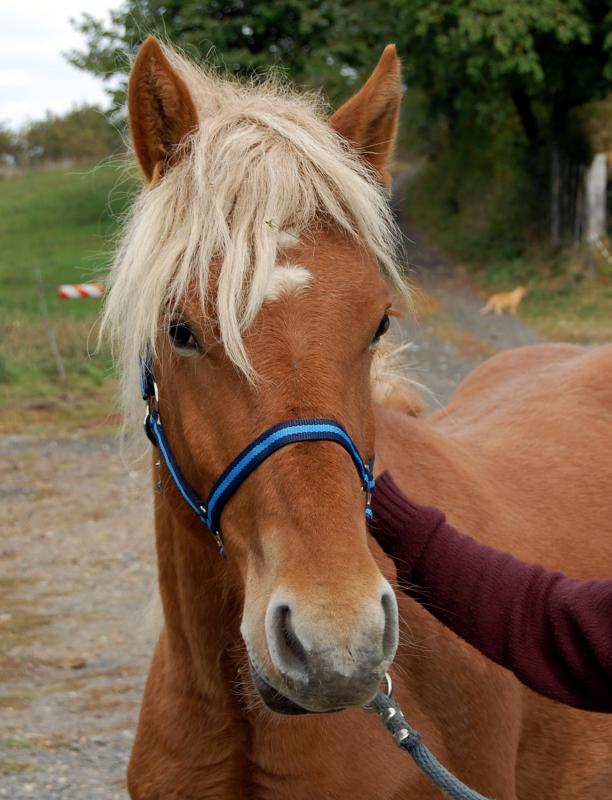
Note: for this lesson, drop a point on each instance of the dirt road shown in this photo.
(77, 571)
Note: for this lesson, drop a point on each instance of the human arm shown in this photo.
(553, 632)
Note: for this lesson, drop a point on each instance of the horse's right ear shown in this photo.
(162, 112)
(369, 118)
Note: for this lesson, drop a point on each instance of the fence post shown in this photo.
(50, 332)
(555, 193)
(596, 184)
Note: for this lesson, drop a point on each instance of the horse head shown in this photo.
(256, 268)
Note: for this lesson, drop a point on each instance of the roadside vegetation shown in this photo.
(508, 106)
(83, 135)
(471, 205)
(505, 106)
(57, 225)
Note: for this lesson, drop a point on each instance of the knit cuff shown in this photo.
(401, 527)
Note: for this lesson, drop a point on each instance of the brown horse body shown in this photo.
(519, 458)
(251, 268)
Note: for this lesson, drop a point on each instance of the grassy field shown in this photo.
(61, 223)
(565, 302)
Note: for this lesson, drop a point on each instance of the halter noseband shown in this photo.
(271, 440)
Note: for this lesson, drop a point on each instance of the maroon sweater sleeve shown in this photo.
(553, 632)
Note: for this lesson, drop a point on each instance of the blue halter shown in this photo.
(271, 440)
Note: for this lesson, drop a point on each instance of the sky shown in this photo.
(34, 76)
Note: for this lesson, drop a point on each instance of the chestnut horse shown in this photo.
(256, 267)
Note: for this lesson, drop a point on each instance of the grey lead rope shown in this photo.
(410, 740)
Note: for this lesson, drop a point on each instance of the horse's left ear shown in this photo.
(369, 119)
(162, 112)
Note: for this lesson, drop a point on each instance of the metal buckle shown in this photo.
(368, 505)
(152, 400)
(216, 534)
(152, 405)
(219, 541)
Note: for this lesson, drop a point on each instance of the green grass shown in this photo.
(576, 313)
(13, 743)
(62, 223)
(566, 301)
(8, 765)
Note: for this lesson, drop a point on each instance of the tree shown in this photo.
(473, 55)
(331, 42)
(485, 65)
(9, 145)
(510, 71)
(83, 133)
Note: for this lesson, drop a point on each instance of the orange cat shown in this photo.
(504, 301)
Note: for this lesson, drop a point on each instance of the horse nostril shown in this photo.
(289, 650)
(390, 632)
(307, 647)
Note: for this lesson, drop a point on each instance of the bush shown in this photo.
(474, 198)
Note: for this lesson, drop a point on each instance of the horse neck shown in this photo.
(429, 465)
(201, 609)
(434, 468)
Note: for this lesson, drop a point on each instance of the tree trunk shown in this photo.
(522, 103)
(555, 197)
(596, 185)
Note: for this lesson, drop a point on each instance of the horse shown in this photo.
(255, 278)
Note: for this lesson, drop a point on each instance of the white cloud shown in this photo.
(34, 75)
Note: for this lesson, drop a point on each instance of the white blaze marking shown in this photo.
(287, 278)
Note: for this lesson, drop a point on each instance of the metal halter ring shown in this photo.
(387, 692)
(389, 683)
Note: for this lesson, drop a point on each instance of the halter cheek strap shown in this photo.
(230, 480)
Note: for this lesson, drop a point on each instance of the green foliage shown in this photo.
(317, 42)
(9, 143)
(596, 119)
(474, 198)
(493, 86)
(473, 56)
(83, 133)
(504, 82)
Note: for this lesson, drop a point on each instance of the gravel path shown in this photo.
(77, 570)
(76, 573)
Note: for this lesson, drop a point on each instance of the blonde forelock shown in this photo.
(262, 161)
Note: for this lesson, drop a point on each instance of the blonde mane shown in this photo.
(263, 162)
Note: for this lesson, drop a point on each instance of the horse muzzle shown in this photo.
(323, 662)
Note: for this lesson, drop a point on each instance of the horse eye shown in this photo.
(381, 330)
(181, 336)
